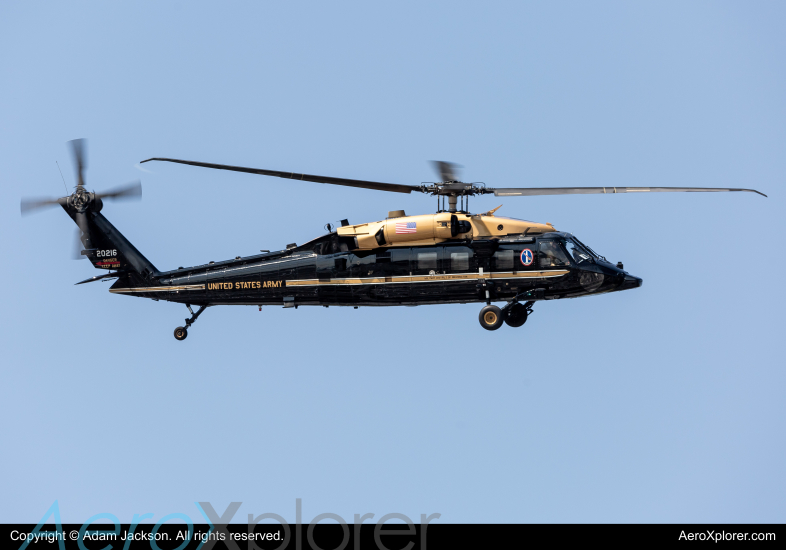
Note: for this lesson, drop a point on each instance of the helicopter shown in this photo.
(450, 257)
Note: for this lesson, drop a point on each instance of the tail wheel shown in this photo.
(516, 315)
(181, 333)
(490, 317)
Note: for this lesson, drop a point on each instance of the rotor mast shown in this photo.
(453, 195)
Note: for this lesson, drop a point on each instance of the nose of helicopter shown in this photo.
(630, 282)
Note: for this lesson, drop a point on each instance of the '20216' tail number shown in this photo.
(106, 253)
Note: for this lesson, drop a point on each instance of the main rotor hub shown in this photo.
(455, 188)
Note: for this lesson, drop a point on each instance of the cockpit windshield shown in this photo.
(579, 253)
(586, 248)
(564, 251)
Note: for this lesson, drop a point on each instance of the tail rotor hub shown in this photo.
(82, 203)
(80, 200)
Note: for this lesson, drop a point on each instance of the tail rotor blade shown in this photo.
(78, 147)
(81, 221)
(128, 191)
(76, 251)
(28, 205)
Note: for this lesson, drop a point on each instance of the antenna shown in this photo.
(61, 175)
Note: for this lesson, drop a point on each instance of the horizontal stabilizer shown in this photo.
(99, 277)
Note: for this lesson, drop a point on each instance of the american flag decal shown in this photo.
(406, 227)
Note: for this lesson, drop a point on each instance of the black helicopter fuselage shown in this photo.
(326, 272)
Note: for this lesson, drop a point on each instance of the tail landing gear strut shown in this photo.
(181, 333)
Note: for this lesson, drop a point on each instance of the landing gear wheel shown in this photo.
(516, 315)
(181, 333)
(490, 317)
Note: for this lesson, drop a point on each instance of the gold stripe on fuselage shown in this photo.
(156, 289)
(436, 278)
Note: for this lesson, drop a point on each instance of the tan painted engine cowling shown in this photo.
(436, 228)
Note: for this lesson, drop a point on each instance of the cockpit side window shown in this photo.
(552, 254)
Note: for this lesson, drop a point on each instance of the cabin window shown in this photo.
(399, 261)
(427, 260)
(552, 254)
(358, 261)
(362, 266)
(459, 261)
(504, 259)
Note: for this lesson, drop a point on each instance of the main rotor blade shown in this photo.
(28, 205)
(393, 187)
(78, 147)
(530, 191)
(448, 171)
(130, 190)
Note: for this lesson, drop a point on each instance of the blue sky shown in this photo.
(661, 404)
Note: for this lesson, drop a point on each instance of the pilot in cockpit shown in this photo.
(552, 254)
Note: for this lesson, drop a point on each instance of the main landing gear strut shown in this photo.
(181, 333)
(514, 314)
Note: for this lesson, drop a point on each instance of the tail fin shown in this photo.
(107, 248)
